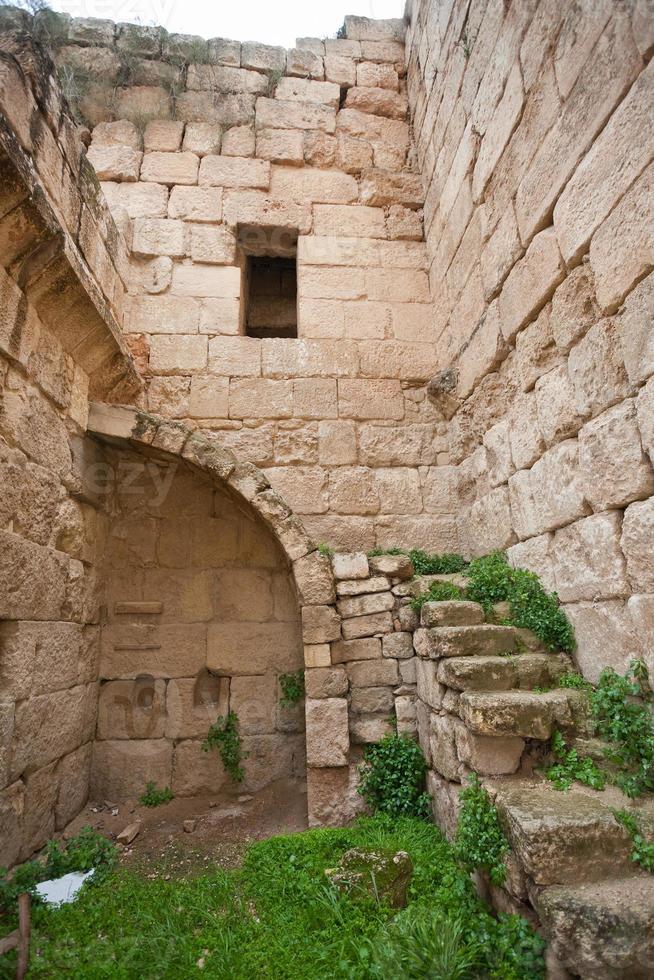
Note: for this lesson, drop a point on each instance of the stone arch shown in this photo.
(310, 572)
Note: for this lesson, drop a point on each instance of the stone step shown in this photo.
(451, 613)
(466, 641)
(562, 838)
(522, 713)
(525, 671)
(602, 930)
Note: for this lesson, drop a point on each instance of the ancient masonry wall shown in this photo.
(201, 619)
(313, 141)
(62, 278)
(533, 131)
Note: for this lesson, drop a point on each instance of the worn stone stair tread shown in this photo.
(562, 837)
(420, 584)
(602, 930)
(516, 712)
(469, 641)
(451, 612)
(490, 673)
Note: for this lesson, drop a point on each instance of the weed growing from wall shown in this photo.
(223, 735)
(480, 842)
(392, 778)
(154, 796)
(437, 592)
(492, 579)
(292, 686)
(570, 767)
(622, 708)
(642, 850)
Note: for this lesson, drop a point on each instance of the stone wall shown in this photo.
(259, 145)
(61, 287)
(533, 131)
(201, 618)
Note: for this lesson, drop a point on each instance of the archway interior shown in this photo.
(199, 618)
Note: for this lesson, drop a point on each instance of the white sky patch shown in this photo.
(266, 21)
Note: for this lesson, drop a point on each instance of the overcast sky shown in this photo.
(270, 21)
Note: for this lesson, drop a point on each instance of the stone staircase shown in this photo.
(488, 702)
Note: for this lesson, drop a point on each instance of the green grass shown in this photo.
(279, 918)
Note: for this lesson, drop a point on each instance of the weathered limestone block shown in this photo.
(451, 614)
(369, 729)
(118, 133)
(202, 138)
(429, 689)
(636, 325)
(614, 468)
(574, 307)
(361, 222)
(40, 800)
(237, 172)
(395, 566)
(254, 699)
(622, 248)
(558, 417)
(214, 78)
(498, 132)
(605, 637)
(312, 185)
(380, 188)
(274, 114)
(302, 90)
(333, 799)
(271, 757)
(559, 837)
(488, 755)
(443, 731)
(170, 168)
(314, 580)
(194, 703)
(122, 768)
(398, 645)
(163, 135)
(243, 649)
(515, 713)
(351, 566)
(157, 236)
(462, 641)
(530, 283)
(477, 673)
(328, 738)
(317, 655)
(115, 162)
(367, 625)
(326, 682)
(367, 648)
(636, 542)
(483, 353)
(304, 63)
(365, 605)
(536, 351)
(549, 495)
(340, 70)
(280, 145)
(139, 200)
(195, 771)
(373, 673)
(72, 777)
(132, 709)
(213, 245)
(377, 101)
(590, 564)
(349, 587)
(596, 369)
(226, 111)
(371, 700)
(615, 159)
(239, 141)
(320, 624)
(33, 580)
(488, 525)
(262, 57)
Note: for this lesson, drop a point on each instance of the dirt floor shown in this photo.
(218, 828)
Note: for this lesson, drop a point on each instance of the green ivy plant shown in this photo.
(154, 796)
(642, 850)
(437, 592)
(491, 579)
(292, 686)
(622, 708)
(392, 778)
(223, 735)
(424, 563)
(570, 767)
(480, 841)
